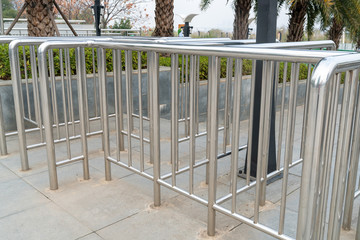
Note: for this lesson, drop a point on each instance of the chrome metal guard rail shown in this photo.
(27, 41)
(19, 100)
(34, 118)
(320, 134)
(322, 91)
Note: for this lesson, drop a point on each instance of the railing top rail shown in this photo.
(253, 53)
(38, 40)
(330, 65)
(181, 41)
(296, 45)
(13, 43)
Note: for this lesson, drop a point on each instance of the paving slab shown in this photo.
(17, 196)
(169, 224)
(46, 221)
(37, 162)
(6, 174)
(101, 203)
(91, 236)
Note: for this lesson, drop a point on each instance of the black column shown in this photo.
(265, 33)
(187, 29)
(97, 17)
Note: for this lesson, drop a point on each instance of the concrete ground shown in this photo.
(122, 208)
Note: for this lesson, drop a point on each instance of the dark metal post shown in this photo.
(265, 33)
(187, 29)
(97, 8)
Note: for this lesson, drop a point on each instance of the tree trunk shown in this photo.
(297, 20)
(39, 18)
(241, 21)
(103, 22)
(335, 31)
(164, 18)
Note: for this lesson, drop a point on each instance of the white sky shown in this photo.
(218, 16)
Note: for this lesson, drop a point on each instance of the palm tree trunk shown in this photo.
(335, 31)
(164, 18)
(241, 21)
(39, 18)
(297, 20)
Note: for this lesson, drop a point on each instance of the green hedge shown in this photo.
(5, 73)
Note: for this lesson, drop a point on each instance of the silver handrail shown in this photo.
(317, 140)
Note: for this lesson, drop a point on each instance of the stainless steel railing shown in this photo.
(324, 125)
(319, 127)
(65, 77)
(33, 115)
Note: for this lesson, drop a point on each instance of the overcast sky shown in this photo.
(218, 15)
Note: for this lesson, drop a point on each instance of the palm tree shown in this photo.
(334, 13)
(164, 18)
(241, 20)
(242, 12)
(340, 15)
(40, 18)
(298, 9)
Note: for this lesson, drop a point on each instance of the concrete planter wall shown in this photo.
(164, 96)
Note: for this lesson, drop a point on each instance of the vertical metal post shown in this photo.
(81, 79)
(227, 107)
(268, 121)
(192, 139)
(281, 128)
(260, 148)
(141, 118)
(53, 93)
(63, 91)
(235, 137)
(19, 104)
(155, 122)
(118, 102)
(3, 147)
(174, 115)
(129, 101)
(26, 83)
(47, 117)
(104, 110)
(214, 76)
(289, 140)
(1, 19)
(34, 75)
(354, 163)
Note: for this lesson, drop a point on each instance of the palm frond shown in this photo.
(204, 4)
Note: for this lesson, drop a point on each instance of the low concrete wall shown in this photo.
(164, 96)
(6, 93)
